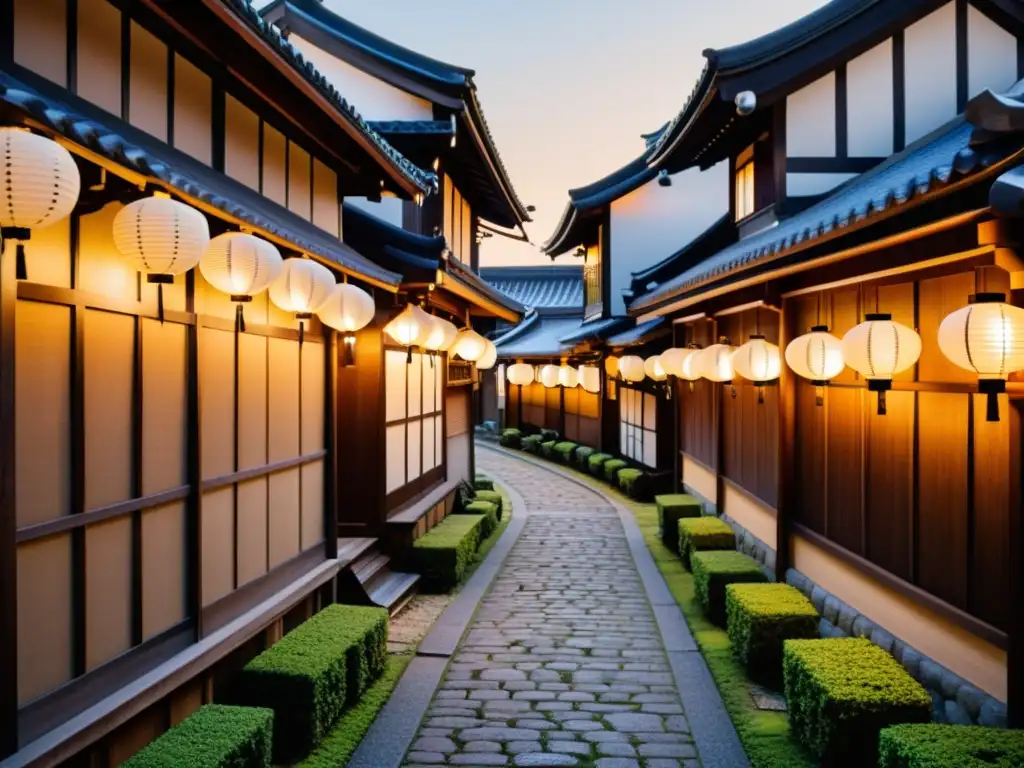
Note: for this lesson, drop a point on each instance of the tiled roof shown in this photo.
(596, 330)
(150, 157)
(719, 235)
(425, 180)
(539, 287)
(418, 127)
(537, 336)
(640, 334)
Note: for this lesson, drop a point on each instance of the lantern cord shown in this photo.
(348, 351)
(21, 268)
(302, 330)
(760, 395)
(160, 302)
(881, 403)
(408, 358)
(819, 395)
(992, 408)
(239, 319)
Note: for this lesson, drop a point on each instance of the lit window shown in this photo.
(745, 190)
(592, 275)
(638, 436)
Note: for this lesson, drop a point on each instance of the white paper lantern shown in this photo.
(689, 369)
(490, 357)
(302, 287)
(714, 363)
(241, 266)
(161, 237)
(817, 356)
(632, 368)
(653, 369)
(549, 376)
(431, 333)
(520, 374)
(987, 338)
(348, 308)
(41, 186)
(590, 378)
(567, 376)
(449, 333)
(757, 360)
(469, 345)
(672, 360)
(405, 327)
(878, 349)
(611, 366)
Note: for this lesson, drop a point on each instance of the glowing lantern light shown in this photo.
(449, 333)
(347, 309)
(520, 374)
(689, 368)
(878, 349)
(590, 378)
(632, 368)
(469, 345)
(241, 266)
(714, 363)
(758, 361)
(549, 376)
(405, 327)
(302, 288)
(430, 331)
(816, 356)
(567, 376)
(672, 360)
(987, 338)
(653, 369)
(611, 366)
(490, 357)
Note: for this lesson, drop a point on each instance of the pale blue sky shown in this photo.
(568, 86)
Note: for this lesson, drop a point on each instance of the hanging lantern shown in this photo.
(653, 369)
(987, 338)
(241, 266)
(302, 288)
(567, 376)
(520, 374)
(469, 345)
(405, 328)
(161, 238)
(632, 368)
(689, 368)
(41, 186)
(714, 363)
(758, 361)
(448, 333)
(878, 349)
(611, 366)
(490, 357)
(817, 356)
(549, 376)
(590, 378)
(672, 360)
(347, 309)
(432, 333)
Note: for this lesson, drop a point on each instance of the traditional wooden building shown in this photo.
(873, 151)
(171, 481)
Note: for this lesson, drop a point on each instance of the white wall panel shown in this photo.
(389, 208)
(803, 184)
(869, 118)
(930, 49)
(991, 54)
(811, 119)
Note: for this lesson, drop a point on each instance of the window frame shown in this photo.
(628, 425)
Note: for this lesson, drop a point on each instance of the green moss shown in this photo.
(443, 553)
(595, 464)
(611, 470)
(493, 497)
(565, 450)
(547, 450)
(489, 512)
(673, 507)
(699, 534)
(760, 618)
(950, 746)
(582, 456)
(312, 672)
(842, 691)
(339, 745)
(712, 571)
(510, 438)
(215, 736)
(531, 444)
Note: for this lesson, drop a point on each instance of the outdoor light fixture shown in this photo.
(302, 288)
(878, 349)
(758, 361)
(41, 186)
(549, 376)
(987, 338)
(611, 366)
(469, 345)
(490, 357)
(672, 360)
(405, 328)
(714, 363)
(520, 374)
(241, 266)
(816, 356)
(632, 368)
(161, 238)
(567, 376)
(589, 378)
(654, 370)
(347, 309)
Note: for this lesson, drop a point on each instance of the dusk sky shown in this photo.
(568, 86)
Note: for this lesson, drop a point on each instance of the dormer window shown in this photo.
(745, 204)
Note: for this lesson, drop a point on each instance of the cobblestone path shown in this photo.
(563, 664)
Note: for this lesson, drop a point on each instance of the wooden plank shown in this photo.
(809, 457)
(936, 299)
(889, 497)
(989, 557)
(844, 495)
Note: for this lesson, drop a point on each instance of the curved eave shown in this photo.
(719, 235)
(370, 233)
(469, 286)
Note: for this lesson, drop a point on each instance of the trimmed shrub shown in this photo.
(531, 444)
(489, 512)
(949, 746)
(712, 571)
(312, 672)
(443, 553)
(760, 618)
(673, 507)
(698, 534)
(630, 480)
(596, 463)
(842, 691)
(483, 483)
(549, 435)
(494, 497)
(511, 438)
(565, 450)
(215, 736)
(611, 470)
(548, 449)
(582, 456)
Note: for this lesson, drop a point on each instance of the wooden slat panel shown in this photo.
(40, 38)
(44, 616)
(163, 568)
(284, 516)
(218, 531)
(242, 144)
(148, 83)
(889, 505)
(193, 105)
(990, 556)
(252, 530)
(898, 300)
(274, 182)
(300, 189)
(108, 590)
(936, 299)
(164, 405)
(844, 497)
(767, 457)
(844, 313)
(810, 458)
(457, 411)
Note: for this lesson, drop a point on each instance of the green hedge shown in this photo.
(673, 507)
(490, 514)
(611, 469)
(549, 435)
(760, 618)
(483, 483)
(565, 450)
(712, 571)
(494, 497)
(548, 449)
(510, 438)
(950, 746)
(531, 444)
(215, 736)
(443, 553)
(312, 672)
(596, 463)
(842, 691)
(631, 481)
(582, 456)
(699, 534)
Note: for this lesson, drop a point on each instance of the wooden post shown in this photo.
(194, 527)
(330, 442)
(786, 493)
(677, 457)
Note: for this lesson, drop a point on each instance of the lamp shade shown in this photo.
(632, 368)
(672, 360)
(589, 378)
(690, 368)
(520, 374)
(302, 287)
(490, 357)
(987, 338)
(161, 237)
(567, 376)
(653, 369)
(41, 182)
(405, 327)
(347, 309)
(611, 366)
(430, 332)
(879, 348)
(549, 376)
(714, 363)
(757, 360)
(448, 333)
(240, 265)
(817, 356)
(469, 345)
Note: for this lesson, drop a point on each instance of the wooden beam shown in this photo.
(1015, 651)
(785, 489)
(8, 512)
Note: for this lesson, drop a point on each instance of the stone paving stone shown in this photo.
(563, 663)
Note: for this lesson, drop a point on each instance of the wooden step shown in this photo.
(394, 590)
(369, 565)
(350, 549)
